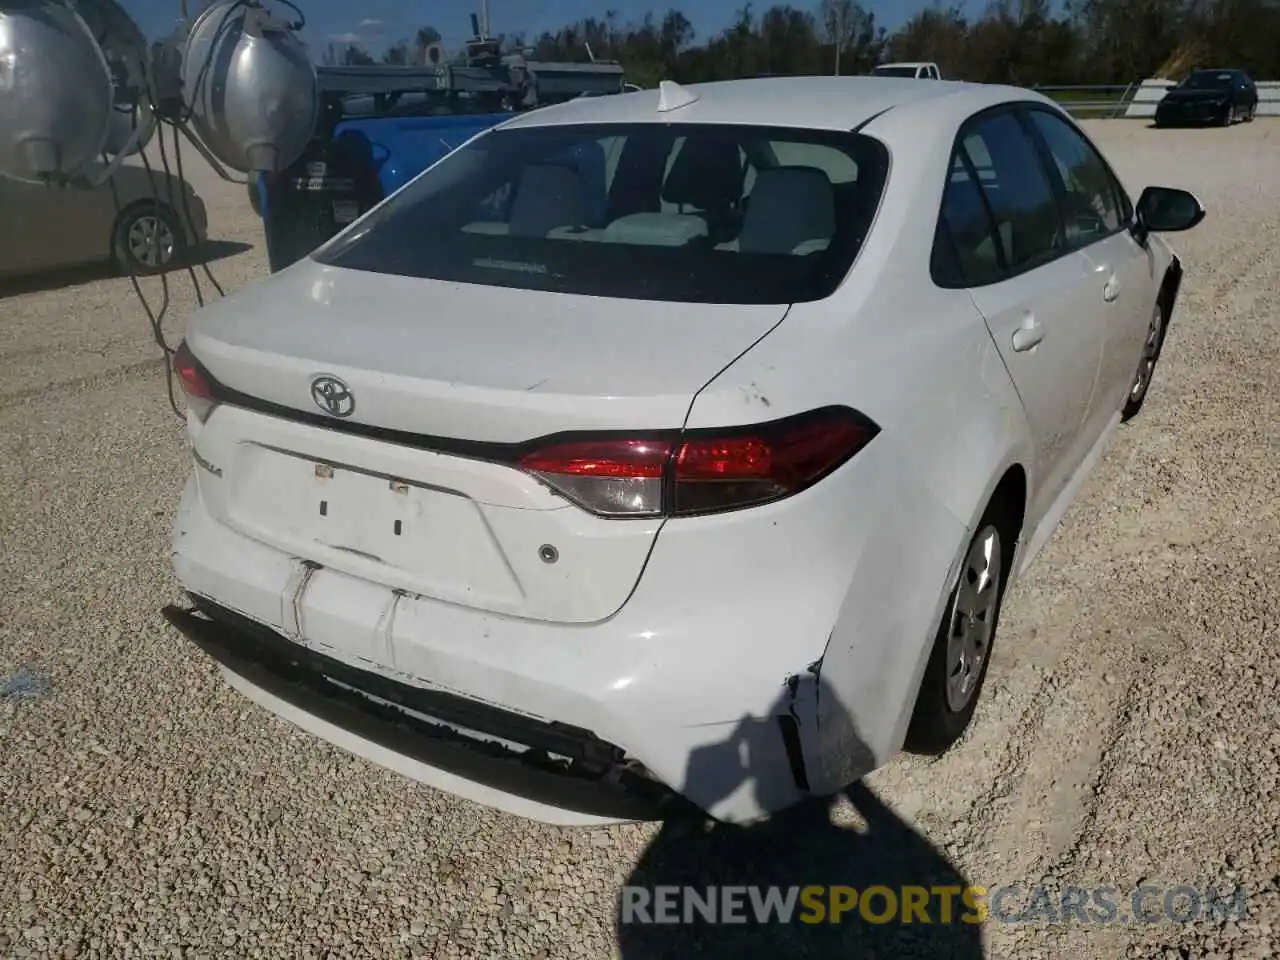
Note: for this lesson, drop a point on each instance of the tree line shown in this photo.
(1024, 42)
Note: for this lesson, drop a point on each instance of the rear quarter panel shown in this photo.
(919, 362)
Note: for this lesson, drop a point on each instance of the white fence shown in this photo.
(1151, 92)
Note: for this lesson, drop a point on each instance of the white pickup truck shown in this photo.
(916, 71)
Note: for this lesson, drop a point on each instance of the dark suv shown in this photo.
(1209, 96)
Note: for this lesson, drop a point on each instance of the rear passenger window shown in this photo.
(966, 244)
(999, 214)
(1091, 208)
(1016, 187)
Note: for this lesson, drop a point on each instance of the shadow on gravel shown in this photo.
(797, 848)
(211, 251)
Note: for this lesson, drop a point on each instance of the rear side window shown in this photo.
(1091, 205)
(677, 212)
(970, 253)
(997, 175)
(1017, 191)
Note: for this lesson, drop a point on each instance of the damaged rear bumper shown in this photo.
(689, 698)
(554, 772)
(721, 680)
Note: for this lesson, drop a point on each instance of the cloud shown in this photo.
(346, 38)
(366, 23)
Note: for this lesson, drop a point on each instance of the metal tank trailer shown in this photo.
(79, 83)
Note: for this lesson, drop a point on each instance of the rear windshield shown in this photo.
(675, 212)
(895, 71)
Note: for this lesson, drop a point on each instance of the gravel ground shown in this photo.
(1130, 731)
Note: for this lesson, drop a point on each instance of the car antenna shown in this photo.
(672, 96)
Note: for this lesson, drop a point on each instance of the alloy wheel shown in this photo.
(151, 242)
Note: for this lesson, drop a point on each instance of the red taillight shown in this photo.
(195, 382)
(615, 478)
(704, 471)
(770, 462)
(631, 459)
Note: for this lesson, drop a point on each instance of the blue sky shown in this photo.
(379, 22)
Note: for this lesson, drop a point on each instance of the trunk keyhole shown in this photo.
(398, 528)
(324, 508)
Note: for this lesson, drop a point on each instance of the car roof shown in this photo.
(811, 103)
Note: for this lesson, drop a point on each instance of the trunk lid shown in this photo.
(453, 361)
(485, 364)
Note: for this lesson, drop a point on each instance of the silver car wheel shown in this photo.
(973, 616)
(1150, 353)
(151, 241)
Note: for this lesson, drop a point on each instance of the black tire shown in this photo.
(148, 238)
(1152, 347)
(937, 721)
(1251, 113)
(1228, 116)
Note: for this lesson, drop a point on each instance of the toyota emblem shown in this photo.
(332, 396)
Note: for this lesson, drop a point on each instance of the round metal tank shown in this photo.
(55, 92)
(125, 48)
(250, 88)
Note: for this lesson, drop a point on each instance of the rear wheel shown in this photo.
(1251, 113)
(962, 648)
(148, 239)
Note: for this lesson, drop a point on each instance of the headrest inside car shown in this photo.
(707, 174)
(790, 207)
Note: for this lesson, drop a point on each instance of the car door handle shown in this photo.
(1027, 335)
(1110, 289)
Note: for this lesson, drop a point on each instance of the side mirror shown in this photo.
(1167, 210)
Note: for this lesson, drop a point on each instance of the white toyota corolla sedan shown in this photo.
(673, 448)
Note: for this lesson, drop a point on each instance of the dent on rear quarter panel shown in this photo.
(950, 424)
(882, 636)
(953, 455)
